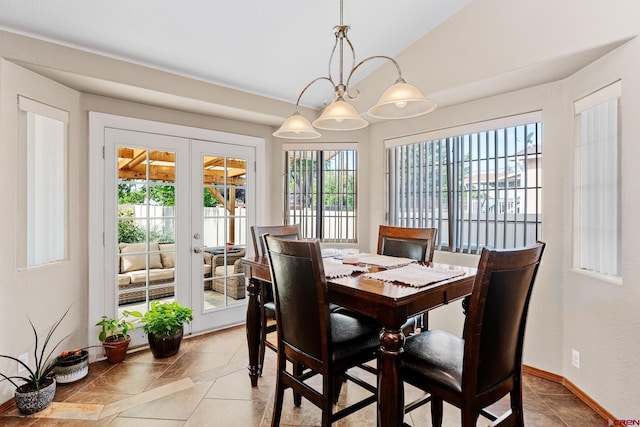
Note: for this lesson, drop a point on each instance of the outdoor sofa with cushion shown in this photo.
(132, 274)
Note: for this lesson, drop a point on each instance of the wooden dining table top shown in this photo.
(351, 291)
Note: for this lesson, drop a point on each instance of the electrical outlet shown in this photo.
(24, 358)
(575, 358)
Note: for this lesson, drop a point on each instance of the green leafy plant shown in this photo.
(166, 319)
(128, 231)
(118, 328)
(36, 377)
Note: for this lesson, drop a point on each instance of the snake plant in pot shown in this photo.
(39, 385)
(164, 325)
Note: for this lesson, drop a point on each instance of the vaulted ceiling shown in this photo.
(454, 50)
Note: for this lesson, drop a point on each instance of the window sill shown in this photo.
(616, 280)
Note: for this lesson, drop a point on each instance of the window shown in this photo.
(321, 190)
(44, 185)
(478, 185)
(597, 213)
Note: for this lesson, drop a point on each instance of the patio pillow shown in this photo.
(168, 258)
(138, 262)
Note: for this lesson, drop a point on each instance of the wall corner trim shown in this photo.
(585, 398)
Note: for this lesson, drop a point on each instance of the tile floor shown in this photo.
(207, 384)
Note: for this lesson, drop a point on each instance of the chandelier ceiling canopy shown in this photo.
(400, 101)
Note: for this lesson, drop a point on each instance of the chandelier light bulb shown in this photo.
(297, 127)
(340, 115)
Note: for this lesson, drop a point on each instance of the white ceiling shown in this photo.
(455, 51)
(270, 48)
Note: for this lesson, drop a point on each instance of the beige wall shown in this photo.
(568, 310)
(41, 294)
(44, 293)
(601, 319)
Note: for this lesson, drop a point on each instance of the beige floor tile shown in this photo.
(207, 384)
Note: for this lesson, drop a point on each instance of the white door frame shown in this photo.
(97, 124)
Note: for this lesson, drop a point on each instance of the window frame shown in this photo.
(345, 223)
(42, 239)
(453, 220)
(582, 106)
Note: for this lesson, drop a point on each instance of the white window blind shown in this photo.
(598, 186)
(45, 181)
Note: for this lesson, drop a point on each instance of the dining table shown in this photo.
(390, 303)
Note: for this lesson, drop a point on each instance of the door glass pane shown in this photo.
(146, 227)
(224, 227)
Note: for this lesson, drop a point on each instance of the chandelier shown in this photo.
(400, 101)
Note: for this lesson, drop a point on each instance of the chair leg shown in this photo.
(277, 401)
(516, 403)
(330, 383)
(263, 338)
(469, 418)
(436, 412)
(297, 371)
(338, 380)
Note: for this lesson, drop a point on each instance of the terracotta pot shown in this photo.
(165, 346)
(30, 401)
(115, 348)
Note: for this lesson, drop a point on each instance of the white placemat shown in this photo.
(384, 260)
(415, 275)
(334, 270)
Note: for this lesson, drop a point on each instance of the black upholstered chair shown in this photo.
(265, 298)
(477, 370)
(407, 242)
(311, 336)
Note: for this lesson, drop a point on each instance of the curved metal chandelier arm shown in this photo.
(353, 70)
(309, 85)
(340, 32)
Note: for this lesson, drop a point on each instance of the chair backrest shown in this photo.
(291, 232)
(495, 324)
(414, 243)
(302, 301)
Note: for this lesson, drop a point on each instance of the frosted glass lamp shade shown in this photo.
(296, 127)
(401, 101)
(340, 115)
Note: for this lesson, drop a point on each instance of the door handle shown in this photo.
(197, 250)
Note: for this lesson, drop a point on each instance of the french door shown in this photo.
(175, 218)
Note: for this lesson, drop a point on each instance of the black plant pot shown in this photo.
(72, 367)
(30, 400)
(165, 346)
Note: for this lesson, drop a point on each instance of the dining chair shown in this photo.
(477, 370)
(266, 301)
(414, 243)
(311, 336)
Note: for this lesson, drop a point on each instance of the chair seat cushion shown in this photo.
(351, 335)
(224, 270)
(155, 274)
(434, 357)
(270, 308)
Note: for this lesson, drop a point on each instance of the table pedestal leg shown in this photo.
(390, 389)
(253, 330)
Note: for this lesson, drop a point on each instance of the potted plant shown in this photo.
(164, 325)
(114, 335)
(39, 386)
(71, 365)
